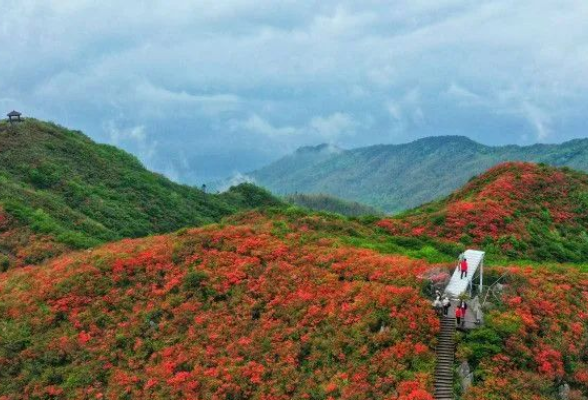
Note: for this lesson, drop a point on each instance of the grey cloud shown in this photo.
(240, 82)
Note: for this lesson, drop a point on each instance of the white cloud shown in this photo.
(117, 135)
(406, 111)
(165, 96)
(463, 95)
(538, 118)
(135, 136)
(333, 126)
(259, 125)
(210, 104)
(237, 179)
(327, 128)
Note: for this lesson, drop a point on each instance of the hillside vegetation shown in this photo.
(325, 202)
(274, 306)
(534, 338)
(521, 210)
(268, 308)
(395, 178)
(59, 189)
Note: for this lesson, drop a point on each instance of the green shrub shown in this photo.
(4, 262)
(194, 279)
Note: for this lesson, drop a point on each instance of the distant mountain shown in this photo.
(398, 177)
(60, 190)
(521, 210)
(325, 202)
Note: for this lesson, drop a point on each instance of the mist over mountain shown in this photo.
(398, 177)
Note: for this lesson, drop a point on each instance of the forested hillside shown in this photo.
(59, 190)
(325, 202)
(394, 178)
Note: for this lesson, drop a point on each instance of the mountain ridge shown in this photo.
(399, 177)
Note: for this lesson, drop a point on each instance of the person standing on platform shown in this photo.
(463, 267)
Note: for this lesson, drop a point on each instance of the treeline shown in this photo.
(325, 202)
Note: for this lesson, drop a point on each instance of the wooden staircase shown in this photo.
(445, 360)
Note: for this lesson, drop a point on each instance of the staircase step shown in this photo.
(444, 370)
(445, 348)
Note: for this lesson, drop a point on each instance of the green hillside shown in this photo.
(398, 177)
(325, 202)
(60, 190)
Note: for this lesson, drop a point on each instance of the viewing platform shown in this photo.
(457, 286)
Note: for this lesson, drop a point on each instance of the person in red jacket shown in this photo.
(458, 315)
(463, 267)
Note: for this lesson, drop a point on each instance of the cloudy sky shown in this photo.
(205, 89)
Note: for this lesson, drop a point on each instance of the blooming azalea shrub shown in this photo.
(517, 209)
(534, 340)
(19, 245)
(260, 310)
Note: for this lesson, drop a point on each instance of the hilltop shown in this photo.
(60, 190)
(394, 178)
(522, 210)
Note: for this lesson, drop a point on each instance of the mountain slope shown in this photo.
(274, 307)
(518, 209)
(398, 177)
(260, 310)
(59, 189)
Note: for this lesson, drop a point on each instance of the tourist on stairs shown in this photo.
(446, 304)
(463, 306)
(458, 315)
(463, 266)
(437, 304)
